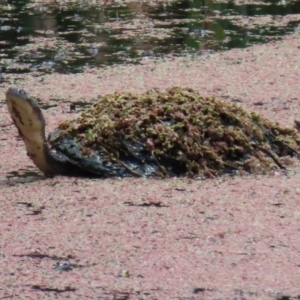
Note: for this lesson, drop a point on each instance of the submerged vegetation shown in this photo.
(179, 132)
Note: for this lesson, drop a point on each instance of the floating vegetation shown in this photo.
(80, 34)
(175, 132)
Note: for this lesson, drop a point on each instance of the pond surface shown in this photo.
(69, 37)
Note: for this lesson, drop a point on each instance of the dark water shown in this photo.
(289, 298)
(67, 38)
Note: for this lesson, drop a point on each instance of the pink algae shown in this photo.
(223, 238)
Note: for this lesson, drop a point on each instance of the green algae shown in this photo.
(206, 136)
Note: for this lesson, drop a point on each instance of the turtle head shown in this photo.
(26, 114)
(30, 122)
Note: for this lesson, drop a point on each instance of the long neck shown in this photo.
(30, 122)
(29, 119)
(38, 151)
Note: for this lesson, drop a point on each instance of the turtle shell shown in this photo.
(172, 133)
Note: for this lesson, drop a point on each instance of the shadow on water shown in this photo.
(67, 38)
(21, 176)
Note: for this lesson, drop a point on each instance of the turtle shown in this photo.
(158, 133)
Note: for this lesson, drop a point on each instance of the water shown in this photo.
(69, 38)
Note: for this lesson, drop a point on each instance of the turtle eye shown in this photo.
(22, 92)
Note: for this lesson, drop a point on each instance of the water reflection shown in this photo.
(68, 37)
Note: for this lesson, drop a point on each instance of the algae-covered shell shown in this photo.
(172, 133)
